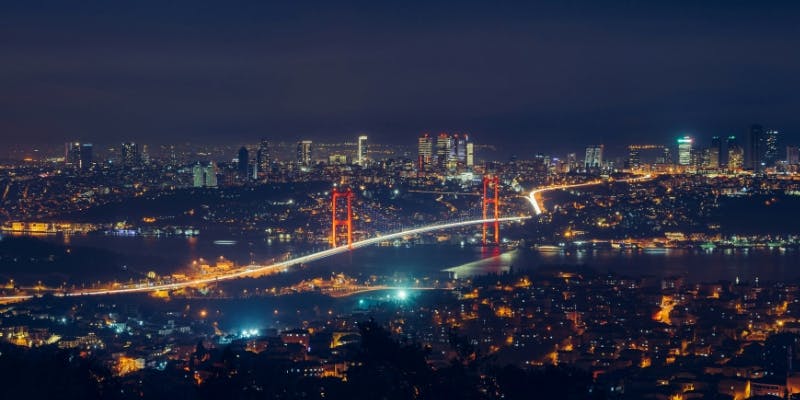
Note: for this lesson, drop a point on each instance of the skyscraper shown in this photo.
(771, 148)
(444, 150)
(594, 157)
(715, 159)
(129, 154)
(361, 157)
(145, 155)
(262, 158)
(243, 162)
(86, 156)
(204, 176)
(304, 153)
(755, 151)
(72, 153)
(735, 155)
(685, 150)
(634, 156)
(470, 154)
(460, 147)
(424, 151)
(792, 155)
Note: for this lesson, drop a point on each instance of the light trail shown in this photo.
(537, 207)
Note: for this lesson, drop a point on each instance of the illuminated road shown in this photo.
(255, 270)
(537, 206)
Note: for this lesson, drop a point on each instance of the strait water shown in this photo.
(132, 257)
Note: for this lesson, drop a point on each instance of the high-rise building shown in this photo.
(771, 148)
(262, 158)
(424, 151)
(792, 155)
(444, 150)
(594, 157)
(72, 152)
(572, 162)
(755, 151)
(634, 156)
(735, 155)
(304, 153)
(129, 154)
(361, 156)
(666, 156)
(470, 161)
(85, 159)
(685, 150)
(243, 162)
(715, 159)
(460, 148)
(145, 155)
(204, 176)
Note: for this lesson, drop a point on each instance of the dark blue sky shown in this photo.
(549, 76)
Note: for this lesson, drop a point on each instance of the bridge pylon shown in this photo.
(338, 222)
(491, 202)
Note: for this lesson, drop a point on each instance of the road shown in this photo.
(537, 204)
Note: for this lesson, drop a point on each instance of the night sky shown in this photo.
(551, 76)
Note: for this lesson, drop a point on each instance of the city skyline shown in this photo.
(400, 200)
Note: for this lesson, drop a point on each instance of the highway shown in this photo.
(537, 205)
(256, 270)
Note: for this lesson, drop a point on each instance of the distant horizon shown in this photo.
(537, 75)
(502, 149)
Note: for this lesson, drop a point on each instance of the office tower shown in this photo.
(262, 158)
(361, 156)
(129, 154)
(735, 155)
(572, 162)
(243, 162)
(85, 158)
(72, 153)
(755, 151)
(470, 154)
(304, 153)
(459, 151)
(424, 151)
(666, 156)
(444, 149)
(594, 157)
(173, 156)
(145, 155)
(685, 150)
(771, 148)
(715, 153)
(198, 174)
(205, 176)
(634, 156)
(792, 155)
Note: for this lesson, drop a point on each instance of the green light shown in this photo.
(402, 294)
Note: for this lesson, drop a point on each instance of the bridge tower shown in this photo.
(491, 201)
(347, 222)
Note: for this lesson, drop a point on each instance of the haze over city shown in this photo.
(539, 76)
(412, 200)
